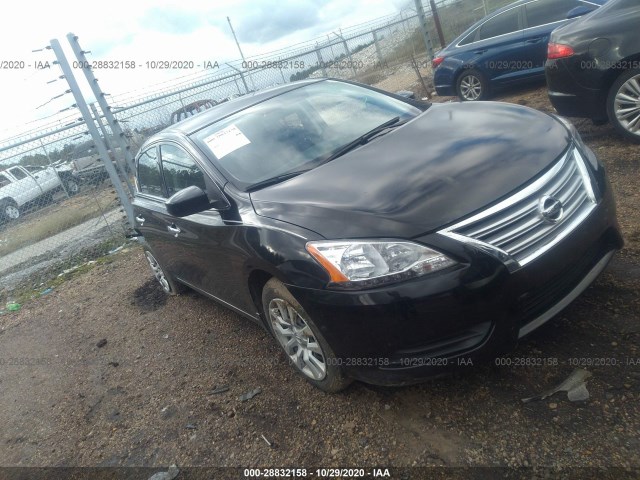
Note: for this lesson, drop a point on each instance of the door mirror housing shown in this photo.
(579, 12)
(192, 200)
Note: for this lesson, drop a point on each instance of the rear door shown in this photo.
(498, 45)
(541, 18)
(149, 205)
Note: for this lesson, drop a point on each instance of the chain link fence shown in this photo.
(58, 206)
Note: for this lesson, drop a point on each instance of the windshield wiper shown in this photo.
(276, 179)
(363, 139)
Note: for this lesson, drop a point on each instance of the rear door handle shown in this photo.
(535, 40)
(173, 229)
(140, 219)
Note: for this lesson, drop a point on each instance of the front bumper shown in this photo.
(407, 332)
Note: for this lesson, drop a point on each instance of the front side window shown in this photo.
(19, 174)
(149, 175)
(543, 12)
(507, 22)
(296, 130)
(180, 170)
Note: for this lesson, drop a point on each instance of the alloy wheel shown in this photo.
(627, 105)
(12, 212)
(158, 272)
(297, 339)
(470, 87)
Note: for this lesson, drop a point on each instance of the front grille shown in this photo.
(516, 227)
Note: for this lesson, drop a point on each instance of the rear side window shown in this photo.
(4, 181)
(180, 170)
(507, 22)
(149, 176)
(469, 38)
(543, 12)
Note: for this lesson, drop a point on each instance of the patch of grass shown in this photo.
(54, 219)
(53, 278)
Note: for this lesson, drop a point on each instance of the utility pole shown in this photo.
(241, 54)
(436, 20)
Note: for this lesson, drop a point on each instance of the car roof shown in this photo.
(223, 110)
(504, 9)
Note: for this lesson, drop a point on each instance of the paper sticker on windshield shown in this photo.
(225, 141)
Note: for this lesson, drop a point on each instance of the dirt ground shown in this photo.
(108, 371)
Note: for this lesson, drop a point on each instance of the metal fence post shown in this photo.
(246, 87)
(100, 97)
(46, 154)
(93, 131)
(346, 47)
(321, 62)
(123, 171)
(423, 26)
(375, 40)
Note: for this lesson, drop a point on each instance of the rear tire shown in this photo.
(472, 86)
(9, 211)
(71, 187)
(167, 282)
(301, 340)
(623, 105)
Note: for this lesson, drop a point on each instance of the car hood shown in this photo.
(446, 164)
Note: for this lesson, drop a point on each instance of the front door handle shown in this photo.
(173, 229)
(480, 52)
(140, 219)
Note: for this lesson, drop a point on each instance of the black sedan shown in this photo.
(593, 67)
(376, 237)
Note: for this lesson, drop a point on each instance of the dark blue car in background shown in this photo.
(507, 47)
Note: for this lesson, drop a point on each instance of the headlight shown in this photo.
(362, 263)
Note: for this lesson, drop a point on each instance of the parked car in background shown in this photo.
(505, 48)
(24, 187)
(191, 109)
(376, 237)
(593, 67)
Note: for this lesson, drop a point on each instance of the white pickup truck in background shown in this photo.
(21, 188)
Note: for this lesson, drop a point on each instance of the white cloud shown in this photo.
(146, 30)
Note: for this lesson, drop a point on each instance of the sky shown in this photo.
(146, 30)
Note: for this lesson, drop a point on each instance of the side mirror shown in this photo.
(579, 11)
(192, 200)
(406, 94)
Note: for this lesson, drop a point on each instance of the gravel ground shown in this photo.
(108, 371)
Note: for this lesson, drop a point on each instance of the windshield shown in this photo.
(295, 131)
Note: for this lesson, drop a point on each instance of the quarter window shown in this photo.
(502, 24)
(149, 176)
(180, 170)
(543, 12)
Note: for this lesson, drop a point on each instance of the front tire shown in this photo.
(301, 340)
(623, 105)
(472, 86)
(166, 281)
(9, 211)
